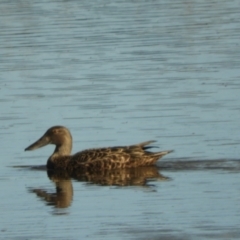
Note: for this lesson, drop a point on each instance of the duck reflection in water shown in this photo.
(63, 196)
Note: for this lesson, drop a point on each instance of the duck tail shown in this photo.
(144, 146)
(160, 154)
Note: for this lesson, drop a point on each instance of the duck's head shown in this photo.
(57, 135)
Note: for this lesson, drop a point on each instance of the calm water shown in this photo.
(115, 73)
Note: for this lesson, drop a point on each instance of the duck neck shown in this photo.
(62, 150)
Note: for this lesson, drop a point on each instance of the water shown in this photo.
(114, 73)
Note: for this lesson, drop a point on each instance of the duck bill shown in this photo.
(43, 141)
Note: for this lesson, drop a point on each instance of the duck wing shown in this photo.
(117, 157)
(90, 155)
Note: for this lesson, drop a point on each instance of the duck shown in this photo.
(96, 159)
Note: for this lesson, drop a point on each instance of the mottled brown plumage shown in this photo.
(95, 159)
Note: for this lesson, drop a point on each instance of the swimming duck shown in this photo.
(95, 159)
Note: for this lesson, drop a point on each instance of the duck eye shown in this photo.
(55, 131)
